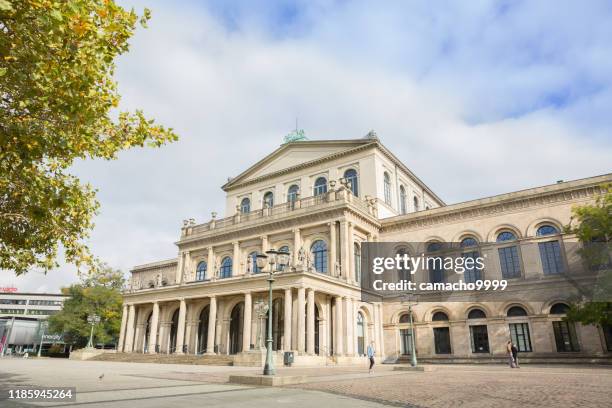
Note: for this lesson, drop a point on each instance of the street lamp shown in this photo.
(93, 320)
(43, 326)
(271, 258)
(412, 301)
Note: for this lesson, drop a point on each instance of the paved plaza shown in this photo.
(136, 385)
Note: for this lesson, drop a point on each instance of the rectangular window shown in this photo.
(550, 254)
(607, 331)
(471, 274)
(405, 342)
(565, 337)
(519, 333)
(442, 340)
(480, 339)
(509, 261)
(436, 269)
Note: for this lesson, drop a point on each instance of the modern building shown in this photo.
(321, 201)
(22, 317)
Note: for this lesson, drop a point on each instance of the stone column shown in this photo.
(287, 321)
(297, 244)
(180, 330)
(351, 254)
(339, 326)
(348, 310)
(264, 243)
(212, 323)
(129, 336)
(153, 328)
(246, 326)
(332, 248)
(344, 233)
(381, 341)
(211, 263)
(301, 334)
(236, 259)
(124, 317)
(310, 322)
(180, 267)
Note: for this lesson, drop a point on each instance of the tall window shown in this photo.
(292, 193)
(254, 267)
(357, 260)
(435, 264)
(403, 205)
(245, 206)
(387, 185)
(268, 200)
(607, 332)
(519, 333)
(320, 186)
(472, 273)
(360, 334)
(319, 255)
(201, 271)
(415, 203)
(565, 332)
(508, 256)
(226, 267)
(403, 273)
(550, 251)
(351, 177)
(479, 339)
(442, 340)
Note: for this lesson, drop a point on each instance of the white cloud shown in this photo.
(476, 98)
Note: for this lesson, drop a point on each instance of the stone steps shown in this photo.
(167, 358)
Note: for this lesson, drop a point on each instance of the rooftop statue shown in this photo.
(295, 136)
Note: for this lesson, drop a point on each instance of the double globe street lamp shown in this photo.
(93, 320)
(272, 257)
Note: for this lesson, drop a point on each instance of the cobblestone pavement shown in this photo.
(481, 386)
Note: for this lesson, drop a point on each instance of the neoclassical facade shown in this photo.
(320, 201)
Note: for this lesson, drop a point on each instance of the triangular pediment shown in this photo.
(295, 154)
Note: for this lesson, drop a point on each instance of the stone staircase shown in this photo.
(190, 359)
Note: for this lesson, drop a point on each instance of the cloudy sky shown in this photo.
(477, 98)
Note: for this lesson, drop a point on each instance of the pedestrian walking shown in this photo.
(371, 354)
(509, 353)
(515, 356)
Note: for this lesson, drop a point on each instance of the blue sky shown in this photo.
(476, 97)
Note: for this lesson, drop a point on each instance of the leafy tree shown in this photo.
(592, 225)
(59, 103)
(98, 293)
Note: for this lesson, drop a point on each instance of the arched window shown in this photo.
(268, 200)
(516, 311)
(405, 318)
(201, 271)
(403, 206)
(387, 187)
(357, 260)
(547, 230)
(415, 202)
(505, 236)
(292, 193)
(319, 255)
(439, 317)
(245, 206)
(550, 251)
(254, 267)
(559, 308)
(360, 334)
(226, 268)
(468, 242)
(508, 256)
(320, 186)
(477, 314)
(284, 248)
(351, 177)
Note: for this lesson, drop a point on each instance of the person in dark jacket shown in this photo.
(515, 355)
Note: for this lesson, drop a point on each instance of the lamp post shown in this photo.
(412, 300)
(93, 320)
(271, 258)
(43, 326)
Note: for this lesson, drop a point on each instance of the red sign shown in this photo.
(8, 289)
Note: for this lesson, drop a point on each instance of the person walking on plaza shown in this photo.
(371, 354)
(509, 353)
(515, 356)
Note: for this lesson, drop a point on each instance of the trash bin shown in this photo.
(288, 358)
